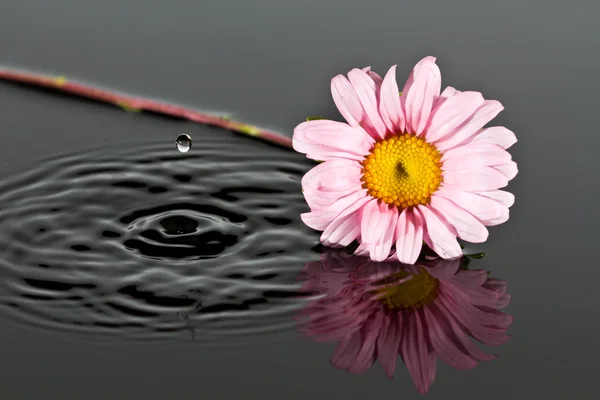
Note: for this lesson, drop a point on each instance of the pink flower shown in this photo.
(379, 310)
(406, 168)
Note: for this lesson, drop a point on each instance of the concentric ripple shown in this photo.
(151, 244)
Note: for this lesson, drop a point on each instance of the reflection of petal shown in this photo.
(421, 312)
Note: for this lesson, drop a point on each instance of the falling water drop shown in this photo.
(183, 143)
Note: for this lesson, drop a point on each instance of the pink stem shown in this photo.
(133, 103)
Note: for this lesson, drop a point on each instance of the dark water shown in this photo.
(129, 270)
(149, 243)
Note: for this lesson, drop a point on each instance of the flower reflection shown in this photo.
(377, 310)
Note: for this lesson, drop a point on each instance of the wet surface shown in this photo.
(90, 244)
(131, 270)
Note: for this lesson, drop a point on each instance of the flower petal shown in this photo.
(485, 334)
(437, 236)
(366, 355)
(389, 103)
(319, 199)
(409, 236)
(498, 135)
(345, 228)
(378, 224)
(330, 181)
(419, 94)
(445, 95)
(333, 175)
(452, 113)
(486, 178)
(346, 100)
(480, 206)
(503, 197)
(502, 218)
(417, 358)
(346, 352)
(484, 114)
(325, 140)
(388, 344)
(474, 156)
(368, 94)
(444, 346)
(470, 279)
(375, 76)
(444, 269)
(320, 219)
(457, 334)
(509, 169)
(458, 221)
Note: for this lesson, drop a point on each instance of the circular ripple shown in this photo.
(149, 243)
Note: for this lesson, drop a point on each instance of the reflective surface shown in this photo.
(110, 242)
(421, 313)
(150, 244)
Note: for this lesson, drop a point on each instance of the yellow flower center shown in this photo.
(403, 170)
(414, 293)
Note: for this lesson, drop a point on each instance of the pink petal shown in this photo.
(484, 114)
(505, 198)
(325, 140)
(452, 113)
(333, 176)
(320, 219)
(497, 220)
(420, 92)
(480, 296)
(319, 199)
(389, 103)
(457, 334)
(329, 181)
(484, 179)
(375, 76)
(444, 269)
(490, 316)
(409, 236)
(378, 224)
(470, 279)
(484, 334)
(444, 346)
(411, 77)
(474, 156)
(509, 169)
(345, 228)
(346, 352)
(437, 236)
(503, 301)
(366, 355)
(498, 135)
(368, 94)
(498, 285)
(388, 344)
(481, 207)
(415, 353)
(458, 221)
(346, 100)
(445, 95)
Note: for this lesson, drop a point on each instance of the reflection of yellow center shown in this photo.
(402, 170)
(414, 293)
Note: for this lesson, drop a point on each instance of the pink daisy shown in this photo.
(420, 312)
(406, 168)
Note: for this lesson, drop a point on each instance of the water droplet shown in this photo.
(183, 143)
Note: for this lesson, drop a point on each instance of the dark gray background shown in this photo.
(270, 62)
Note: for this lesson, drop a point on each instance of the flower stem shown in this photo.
(134, 103)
